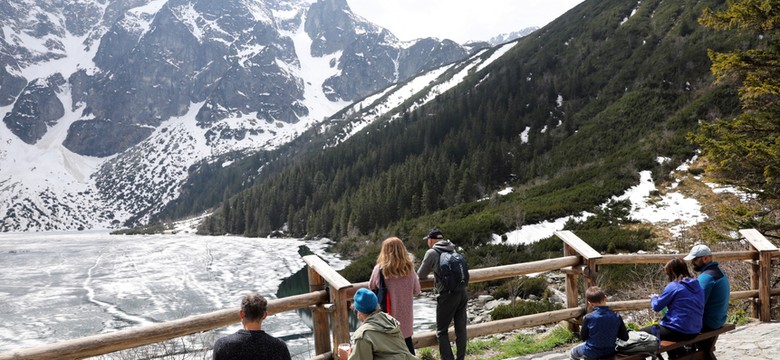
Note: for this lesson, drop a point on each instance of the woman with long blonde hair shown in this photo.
(397, 268)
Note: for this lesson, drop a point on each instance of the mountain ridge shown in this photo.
(136, 91)
(569, 117)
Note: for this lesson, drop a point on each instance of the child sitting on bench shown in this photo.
(600, 328)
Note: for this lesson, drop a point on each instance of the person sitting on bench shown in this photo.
(600, 328)
(715, 284)
(683, 299)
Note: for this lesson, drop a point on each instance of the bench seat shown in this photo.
(704, 345)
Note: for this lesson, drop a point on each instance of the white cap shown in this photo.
(698, 251)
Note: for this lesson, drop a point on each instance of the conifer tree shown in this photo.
(745, 150)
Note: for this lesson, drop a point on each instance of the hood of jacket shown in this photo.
(380, 338)
(444, 245)
(379, 322)
(692, 285)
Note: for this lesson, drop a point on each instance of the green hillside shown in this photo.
(568, 118)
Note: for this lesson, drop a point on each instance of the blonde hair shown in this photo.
(393, 259)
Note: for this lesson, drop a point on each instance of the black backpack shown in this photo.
(453, 270)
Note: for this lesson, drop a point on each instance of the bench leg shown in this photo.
(705, 350)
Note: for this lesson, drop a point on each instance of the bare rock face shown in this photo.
(235, 59)
(36, 109)
(372, 58)
(153, 87)
(11, 82)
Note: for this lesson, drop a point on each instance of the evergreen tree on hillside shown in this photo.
(745, 150)
(568, 118)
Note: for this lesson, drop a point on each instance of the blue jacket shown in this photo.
(684, 303)
(600, 329)
(716, 295)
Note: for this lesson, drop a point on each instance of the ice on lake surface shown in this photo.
(66, 285)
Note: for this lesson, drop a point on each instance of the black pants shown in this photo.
(451, 307)
(410, 345)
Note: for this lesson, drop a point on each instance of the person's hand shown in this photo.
(653, 295)
(343, 351)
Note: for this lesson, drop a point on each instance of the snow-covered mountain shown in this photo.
(502, 38)
(107, 103)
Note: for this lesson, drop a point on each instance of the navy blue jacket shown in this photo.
(600, 330)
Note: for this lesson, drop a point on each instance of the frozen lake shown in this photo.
(57, 286)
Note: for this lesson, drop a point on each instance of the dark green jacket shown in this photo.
(379, 337)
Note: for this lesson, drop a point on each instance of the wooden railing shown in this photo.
(330, 295)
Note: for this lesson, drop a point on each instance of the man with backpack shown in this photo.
(450, 277)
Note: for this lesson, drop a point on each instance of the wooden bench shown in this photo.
(704, 346)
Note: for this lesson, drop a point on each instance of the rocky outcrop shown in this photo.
(373, 54)
(234, 64)
(36, 109)
(234, 59)
(224, 76)
(428, 53)
(11, 82)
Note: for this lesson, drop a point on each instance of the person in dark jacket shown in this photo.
(450, 306)
(683, 299)
(715, 283)
(251, 342)
(600, 328)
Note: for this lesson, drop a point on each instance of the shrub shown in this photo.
(696, 171)
(522, 344)
(360, 269)
(426, 354)
(521, 308)
(522, 287)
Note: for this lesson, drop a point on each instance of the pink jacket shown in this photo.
(402, 291)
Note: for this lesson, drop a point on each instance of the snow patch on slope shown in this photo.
(431, 84)
(673, 209)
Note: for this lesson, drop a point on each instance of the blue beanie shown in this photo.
(365, 301)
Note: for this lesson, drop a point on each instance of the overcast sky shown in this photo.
(459, 20)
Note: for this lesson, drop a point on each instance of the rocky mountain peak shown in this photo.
(117, 78)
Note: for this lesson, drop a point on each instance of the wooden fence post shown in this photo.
(340, 316)
(576, 246)
(573, 245)
(755, 274)
(762, 271)
(572, 299)
(339, 297)
(319, 316)
(341, 291)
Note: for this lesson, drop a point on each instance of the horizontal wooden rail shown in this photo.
(497, 272)
(579, 260)
(506, 271)
(427, 339)
(331, 276)
(662, 258)
(149, 334)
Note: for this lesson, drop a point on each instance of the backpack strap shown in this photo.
(442, 251)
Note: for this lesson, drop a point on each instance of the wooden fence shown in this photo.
(330, 295)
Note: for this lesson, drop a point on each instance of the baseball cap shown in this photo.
(697, 251)
(434, 234)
